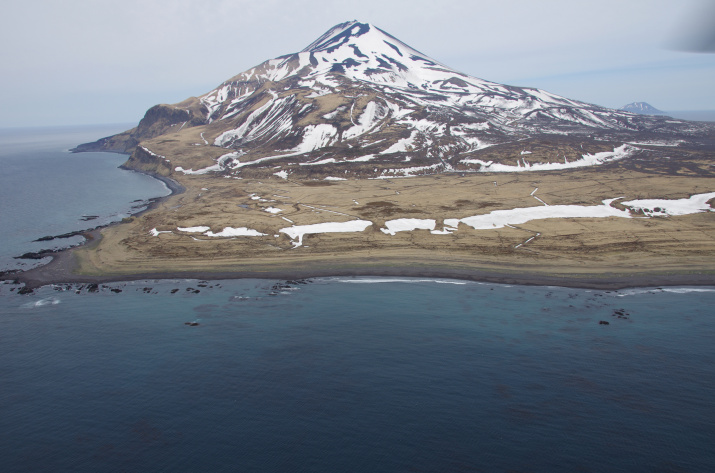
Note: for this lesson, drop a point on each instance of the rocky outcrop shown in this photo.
(144, 160)
(158, 120)
(119, 143)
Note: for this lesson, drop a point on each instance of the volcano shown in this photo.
(359, 101)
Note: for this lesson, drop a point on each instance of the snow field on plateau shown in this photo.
(501, 218)
(407, 225)
(693, 204)
(233, 232)
(206, 231)
(490, 221)
(296, 232)
(518, 216)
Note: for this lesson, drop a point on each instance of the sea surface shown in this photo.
(45, 190)
(348, 374)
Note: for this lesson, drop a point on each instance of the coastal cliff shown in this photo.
(158, 120)
(145, 161)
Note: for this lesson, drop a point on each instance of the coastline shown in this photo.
(62, 269)
(66, 266)
(174, 186)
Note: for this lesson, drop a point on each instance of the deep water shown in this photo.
(331, 374)
(344, 374)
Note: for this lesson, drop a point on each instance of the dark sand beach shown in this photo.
(583, 253)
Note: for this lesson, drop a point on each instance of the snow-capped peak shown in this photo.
(364, 52)
(359, 51)
(337, 33)
(357, 85)
(355, 34)
(358, 94)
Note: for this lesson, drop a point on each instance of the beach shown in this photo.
(169, 239)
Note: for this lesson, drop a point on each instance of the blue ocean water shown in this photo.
(46, 190)
(335, 374)
(343, 374)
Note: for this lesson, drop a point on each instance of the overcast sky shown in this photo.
(96, 61)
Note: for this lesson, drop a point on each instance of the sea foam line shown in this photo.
(400, 280)
(658, 290)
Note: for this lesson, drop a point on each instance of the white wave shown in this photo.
(400, 280)
(658, 290)
(41, 303)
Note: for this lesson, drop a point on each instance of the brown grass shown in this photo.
(563, 246)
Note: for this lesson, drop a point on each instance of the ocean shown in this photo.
(345, 374)
(45, 190)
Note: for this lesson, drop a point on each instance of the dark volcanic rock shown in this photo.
(64, 235)
(37, 255)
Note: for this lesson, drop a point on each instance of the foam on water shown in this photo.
(41, 303)
(387, 280)
(657, 290)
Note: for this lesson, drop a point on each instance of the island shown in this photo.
(360, 156)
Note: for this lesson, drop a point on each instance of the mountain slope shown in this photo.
(357, 100)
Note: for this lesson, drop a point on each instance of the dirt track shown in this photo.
(573, 249)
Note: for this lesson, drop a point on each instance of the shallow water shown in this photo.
(46, 190)
(343, 374)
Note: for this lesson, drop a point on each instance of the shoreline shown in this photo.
(61, 271)
(64, 264)
(174, 186)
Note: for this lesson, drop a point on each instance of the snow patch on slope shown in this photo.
(373, 114)
(316, 137)
(621, 152)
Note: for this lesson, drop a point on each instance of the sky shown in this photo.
(96, 61)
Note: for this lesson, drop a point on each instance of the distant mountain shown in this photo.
(642, 108)
(359, 95)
